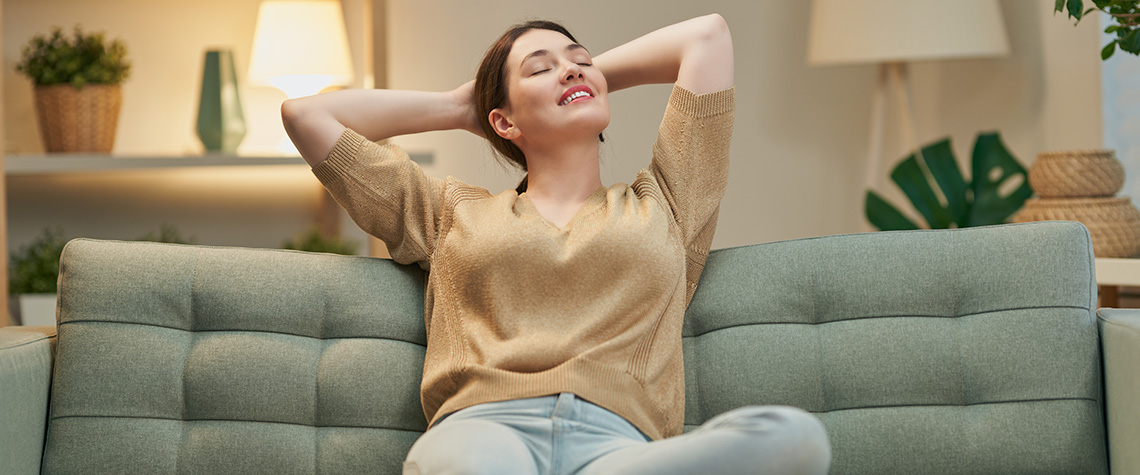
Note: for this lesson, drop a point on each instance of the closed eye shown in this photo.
(536, 73)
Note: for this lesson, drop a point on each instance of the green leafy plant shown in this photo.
(1126, 14)
(77, 60)
(169, 234)
(313, 241)
(961, 204)
(35, 267)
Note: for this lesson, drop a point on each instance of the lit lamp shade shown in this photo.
(300, 47)
(886, 31)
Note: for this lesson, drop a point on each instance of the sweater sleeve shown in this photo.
(690, 165)
(386, 194)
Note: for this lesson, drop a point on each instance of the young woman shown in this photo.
(554, 311)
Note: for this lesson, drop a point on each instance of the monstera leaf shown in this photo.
(977, 203)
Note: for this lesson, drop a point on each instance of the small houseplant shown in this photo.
(77, 82)
(1125, 13)
(313, 241)
(33, 277)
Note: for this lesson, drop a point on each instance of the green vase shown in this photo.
(221, 124)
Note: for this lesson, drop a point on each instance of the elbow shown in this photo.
(290, 113)
(714, 30)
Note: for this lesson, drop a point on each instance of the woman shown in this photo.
(554, 312)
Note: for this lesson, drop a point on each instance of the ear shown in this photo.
(503, 125)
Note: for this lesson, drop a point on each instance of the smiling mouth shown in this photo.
(576, 94)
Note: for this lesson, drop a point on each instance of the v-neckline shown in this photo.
(597, 196)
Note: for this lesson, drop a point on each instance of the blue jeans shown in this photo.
(563, 434)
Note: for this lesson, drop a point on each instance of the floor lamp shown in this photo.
(891, 33)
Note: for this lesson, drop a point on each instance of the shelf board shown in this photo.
(83, 163)
(62, 163)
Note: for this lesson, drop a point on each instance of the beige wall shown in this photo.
(798, 150)
(801, 132)
(166, 43)
(4, 319)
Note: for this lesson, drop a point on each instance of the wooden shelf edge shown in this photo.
(81, 163)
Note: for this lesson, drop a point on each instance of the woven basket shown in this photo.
(78, 120)
(1113, 222)
(1076, 174)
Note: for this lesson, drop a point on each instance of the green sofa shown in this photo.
(957, 351)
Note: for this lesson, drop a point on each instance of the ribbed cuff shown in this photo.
(703, 105)
(344, 152)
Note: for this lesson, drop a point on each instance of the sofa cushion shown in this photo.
(218, 360)
(971, 350)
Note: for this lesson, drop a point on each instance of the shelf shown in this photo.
(85, 163)
(51, 164)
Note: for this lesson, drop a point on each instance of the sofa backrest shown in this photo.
(194, 359)
(969, 350)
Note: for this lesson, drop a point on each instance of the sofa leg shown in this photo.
(1109, 296)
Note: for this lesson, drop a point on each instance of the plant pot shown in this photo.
(78, 120)
(32, 309)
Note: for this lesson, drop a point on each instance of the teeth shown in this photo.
(575, 96)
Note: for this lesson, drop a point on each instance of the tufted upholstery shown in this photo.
(970, 350)
(213, 360)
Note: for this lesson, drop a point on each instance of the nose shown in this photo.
(573, 70)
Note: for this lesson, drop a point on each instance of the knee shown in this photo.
(800, 438)
(469, 447)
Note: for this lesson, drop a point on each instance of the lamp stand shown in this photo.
(894, 74)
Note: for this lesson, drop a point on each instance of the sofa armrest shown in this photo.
(1120, 347)
(26, 355)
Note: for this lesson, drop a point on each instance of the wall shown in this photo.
(4, 318)
(801, 132)
(798, 150)
(166, 42)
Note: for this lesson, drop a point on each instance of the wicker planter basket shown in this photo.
(1076, 174)
(78, 120)
(1113, 222)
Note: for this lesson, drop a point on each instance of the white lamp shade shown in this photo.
(878, 31)
(300, 46)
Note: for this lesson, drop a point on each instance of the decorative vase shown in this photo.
(221, 124)
(78, 120)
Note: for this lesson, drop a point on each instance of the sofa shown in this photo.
(974, 350)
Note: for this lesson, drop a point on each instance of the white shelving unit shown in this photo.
(15, 165)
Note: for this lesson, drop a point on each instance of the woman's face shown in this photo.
(555, 93)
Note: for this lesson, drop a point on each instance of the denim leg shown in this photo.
(754, 439)
(470, 447)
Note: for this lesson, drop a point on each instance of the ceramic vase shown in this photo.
(221, 124)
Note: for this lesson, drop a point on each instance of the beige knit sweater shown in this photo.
(517, 307)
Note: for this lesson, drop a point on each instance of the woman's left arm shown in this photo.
(695, 54)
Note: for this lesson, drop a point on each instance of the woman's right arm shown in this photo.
(315, 123)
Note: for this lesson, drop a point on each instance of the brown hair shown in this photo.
(491, 88)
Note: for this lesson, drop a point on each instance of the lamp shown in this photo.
(892, 32)
(300, 47)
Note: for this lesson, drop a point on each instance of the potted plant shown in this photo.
(77, 88)
(986, 199)
(33, 277)
(313, 241)
(1125, 13)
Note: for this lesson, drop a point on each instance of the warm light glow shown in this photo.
(300, 47)
(874, 31)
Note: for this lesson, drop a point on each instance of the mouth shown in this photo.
(577, 93)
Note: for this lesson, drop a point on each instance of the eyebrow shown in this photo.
(542, 52)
